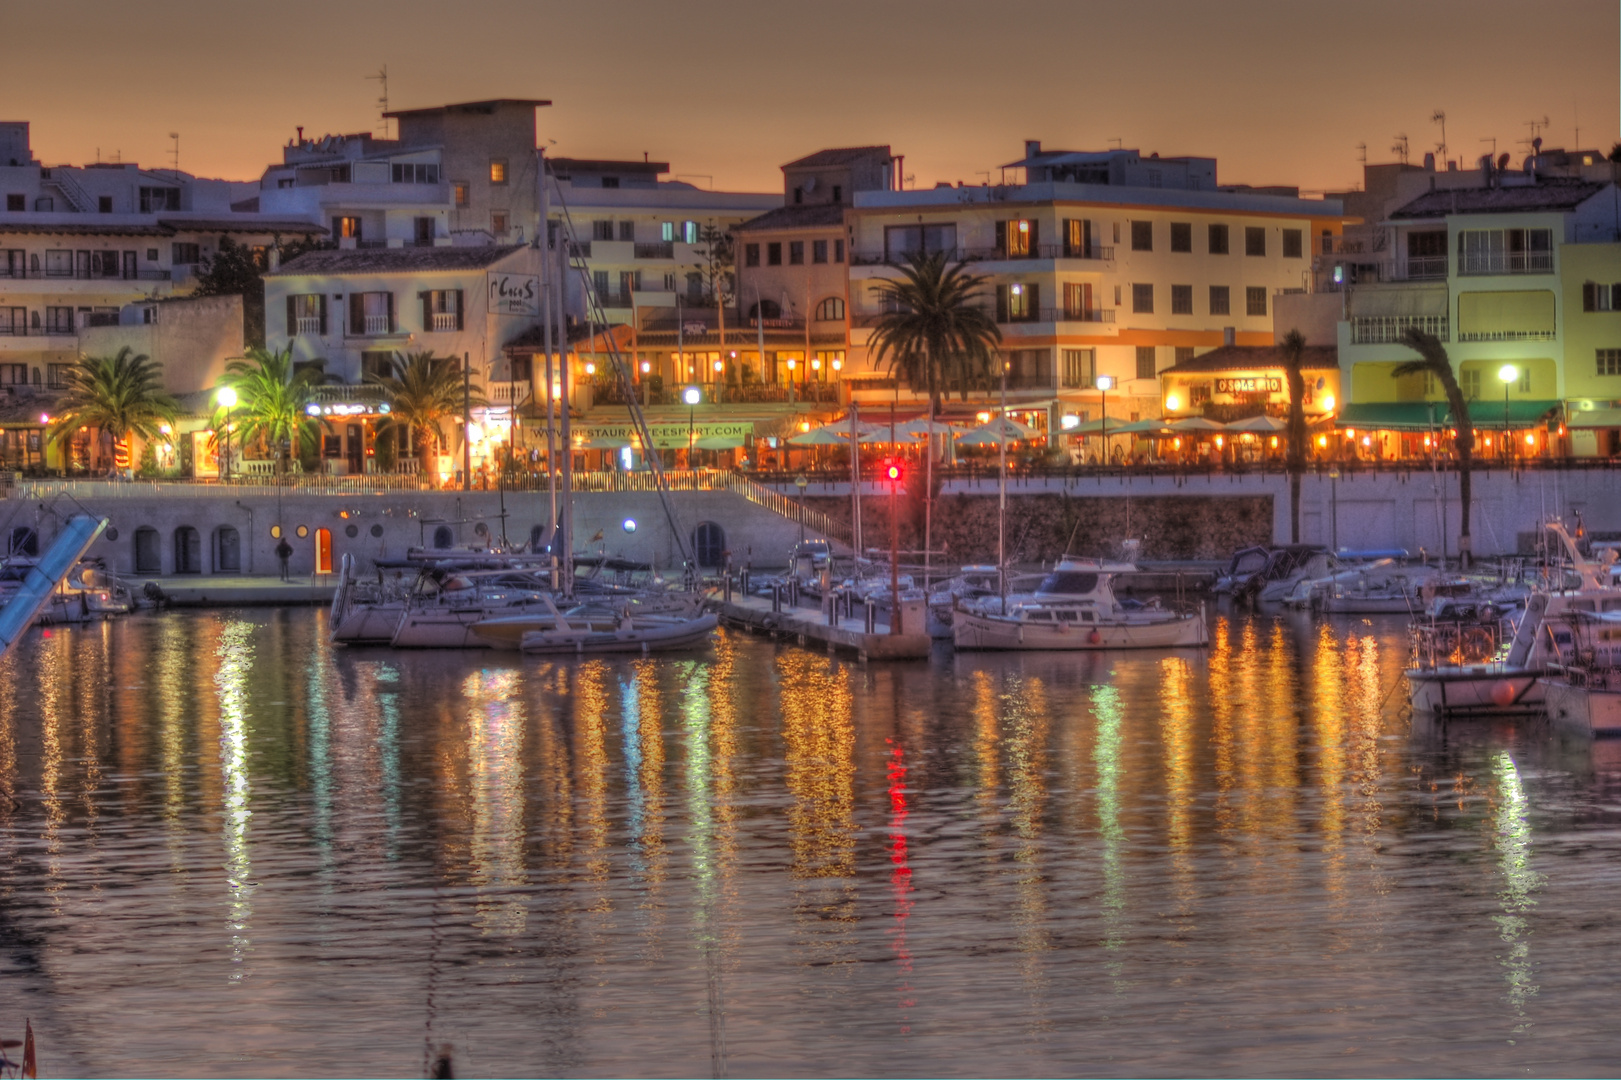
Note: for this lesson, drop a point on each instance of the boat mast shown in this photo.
(1001, 494)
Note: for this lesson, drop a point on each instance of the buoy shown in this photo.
(1503, 694)
(1094, 637)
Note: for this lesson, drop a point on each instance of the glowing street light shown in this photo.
(1105, 383)
(1509, 374)
(227, 400)
(691, 395)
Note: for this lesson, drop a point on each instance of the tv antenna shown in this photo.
(1399, 148)
(1119, 143)
(1362, 153)
(174, 152)
(382, 101)
(1440, 117)
(1537, 128)
(1493, 140)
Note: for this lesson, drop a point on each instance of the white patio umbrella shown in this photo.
(920, 426)
(1197, 423)
(1100, 426)
(1145, 427)
(999, 430)
(1263, 424)
(822, 436)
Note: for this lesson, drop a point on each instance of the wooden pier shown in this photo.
(810, 627)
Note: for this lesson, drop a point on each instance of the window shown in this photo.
(602, 230)
(751, 254)
(1609, 361)
(1117, 232)
(599, 282)
(669, 281)
(838, 251)
(458, 193)
(410, 172)
(773, 254)
(498, 170)
(689, 232)
(667, 231)
(1469, 379)
(1145, 362)
(1505, 251)
(1078, 300)
(1327, 242)
(441, 309)
(627, 231)
(306, 314)
(498, 223)
(422, 229)
(1184, 353)
(379, 365)
(1017, 239)
(1019, 302)
(13, 374)
(1142, 299)
(1181, 299)
(57, 374)
(15, 203)
(59, 320)
(1029, 369)
(1080, 370)
(630, 281)
(1254, 240)
(1218, 239)
(904, 241)
(185, 254)
(796, 253)
(155, 199)
(831, 309)
(104, 264)
(1117, 296)
(1255, 300)
(838, 193)
(371, 313)
(105, 204)
(45, 203)
(1078, 238)
(1596, 297)
(14, 321)
(1182, 236)
(1220, 301)
(347, 228)
(151, 254)
(610, 181)
(1293, 244)
(818, 251)
(1142, 236)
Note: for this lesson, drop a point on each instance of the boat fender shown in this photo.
(1503, 694)
(1094, 637)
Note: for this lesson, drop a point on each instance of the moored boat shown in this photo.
(1073, 608)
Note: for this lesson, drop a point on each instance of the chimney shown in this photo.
(1429, 162)
(273, 258)
(301, 134)
(1229, 335)
(1032, 147)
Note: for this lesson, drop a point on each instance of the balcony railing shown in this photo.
(444, 320)
(613, 298)
(1389, 329)
(990, 254)
(1506, 335)
(308, 324)
(1420, 268)
(663, 249)
(377, 324)
(509, 393)
(39, 273)
(579, 249)
(1506, 262)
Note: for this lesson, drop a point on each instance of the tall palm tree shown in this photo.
(935, 333)
(1433, 360)
(1294, 347)
(423, 391)
(117, 396)
(272, 401)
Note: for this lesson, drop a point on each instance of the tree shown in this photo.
(1433, 360)
(117, 396)
(1294, 346)
(273, 397)
(935, 333)
(239, 270)
(424, 390)
(1615, 152)
(716, 274)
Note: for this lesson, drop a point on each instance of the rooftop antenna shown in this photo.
(382, 101)
(174, 152)
(1440, 117)
(1576, 119)
(910, 178)
(1537, 128)
(1493, 140)
(1119, 143)
(1399, 148)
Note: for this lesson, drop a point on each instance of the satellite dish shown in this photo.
(1502, 161)
(810, 184)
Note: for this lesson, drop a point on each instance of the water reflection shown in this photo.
(495, 735)
(235, 654)
(1520, 882)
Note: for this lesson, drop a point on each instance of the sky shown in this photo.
(1279, 91)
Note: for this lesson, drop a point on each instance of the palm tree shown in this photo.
(1433, 360)
(117, 396)
(935, 333)
(1294, 346)
(273, 398)
(423, 391)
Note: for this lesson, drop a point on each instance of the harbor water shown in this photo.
(229, 849)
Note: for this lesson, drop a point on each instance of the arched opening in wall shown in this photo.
(708, 543)
(831, 309)
(148, 559)
(765, 309)
(444, 537)
(188, 551)
(227, 550)
(323, 551)
(24, 540)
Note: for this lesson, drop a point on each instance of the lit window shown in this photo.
(498, 171)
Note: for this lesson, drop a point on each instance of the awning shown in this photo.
(1428, 415)
(718, 442)
(1593, 418)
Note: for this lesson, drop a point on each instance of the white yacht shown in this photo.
(1073, 608)
(1448, 679)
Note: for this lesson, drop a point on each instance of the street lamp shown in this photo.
(691, 395)
(800, 482)
(1509, 374)
(227, 399)
(1105, 384)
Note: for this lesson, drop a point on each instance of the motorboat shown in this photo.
(1455, 672)
(506, 630)
(598, 627)
(1073, 608)
(87, 594)
(1583, 697)
(1270, 574)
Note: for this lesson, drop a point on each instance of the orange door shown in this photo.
(323, 551)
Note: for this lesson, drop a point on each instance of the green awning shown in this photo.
(1427, 415)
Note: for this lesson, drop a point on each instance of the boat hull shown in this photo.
(688, 634)
(1582, 710)
(1478, 689)
(440, 628)
(976, 631)
(367, 624)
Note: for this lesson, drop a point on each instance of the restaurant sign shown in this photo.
(1250, 384)
(514, 294)
(665, 436)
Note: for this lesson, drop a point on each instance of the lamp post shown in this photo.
(1508, 373)
(1105, 384)
(800, 482)
(691, 395)
(227, 399)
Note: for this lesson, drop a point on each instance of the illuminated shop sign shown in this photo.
(1250, 384)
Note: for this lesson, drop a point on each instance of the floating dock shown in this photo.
(810, 627)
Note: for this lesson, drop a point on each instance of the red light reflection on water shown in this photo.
(900, 877)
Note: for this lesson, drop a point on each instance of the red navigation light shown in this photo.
(892, 471)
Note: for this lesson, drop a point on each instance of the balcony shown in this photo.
(1507, 335)
(664, 249)
(308, 325)
(1097, 315)
(1505, 262)
(579, 249)
(514, 392)
(11, 330)
(1046, 252)
(1420, 268)
(1389, 329)
(40, 274)
(444, 320)
(613, 298)
(377, 325)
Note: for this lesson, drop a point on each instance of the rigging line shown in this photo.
(595, 309)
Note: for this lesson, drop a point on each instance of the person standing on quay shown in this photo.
(284, 551)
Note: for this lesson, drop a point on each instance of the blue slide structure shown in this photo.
(43, 577)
